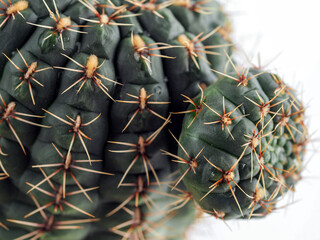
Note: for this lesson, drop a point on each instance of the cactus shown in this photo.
(84, 108)
(245, 144)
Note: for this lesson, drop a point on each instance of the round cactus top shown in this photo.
(248, 140)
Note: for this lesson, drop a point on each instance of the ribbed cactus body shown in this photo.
(251, 136)
(86, 89)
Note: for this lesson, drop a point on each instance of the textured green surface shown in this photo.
(253, 136)
(35, 171)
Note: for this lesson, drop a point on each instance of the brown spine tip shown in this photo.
(50, 223)
(137, 217)
(92, 65)
(264, 110)
(187, 43)
(143, 98)
(77, 124)
(225, 33)
(229, 176)
(296, 176)
(193, 163)
(63, 23)
(140, 184)
(10, 108)
(17, 7)
(31, 69)
(254, 142)
(104, 19)
(138, 42)
(220, 214)
(296, 148)
(141, 145)
(59, 196)
(182, 3)
(203, 86)
(284, 120)
(259, 195)
(226, 120)
(150, 6)
(299, 119)
(67, 162)
(184, 40)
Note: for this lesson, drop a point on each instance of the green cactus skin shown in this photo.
(85, 98)
(250, 134)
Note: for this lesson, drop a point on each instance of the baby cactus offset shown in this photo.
(86, 89)
(245, 143)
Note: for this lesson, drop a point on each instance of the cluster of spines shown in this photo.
(11, 9)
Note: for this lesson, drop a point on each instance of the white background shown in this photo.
(292, 28)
